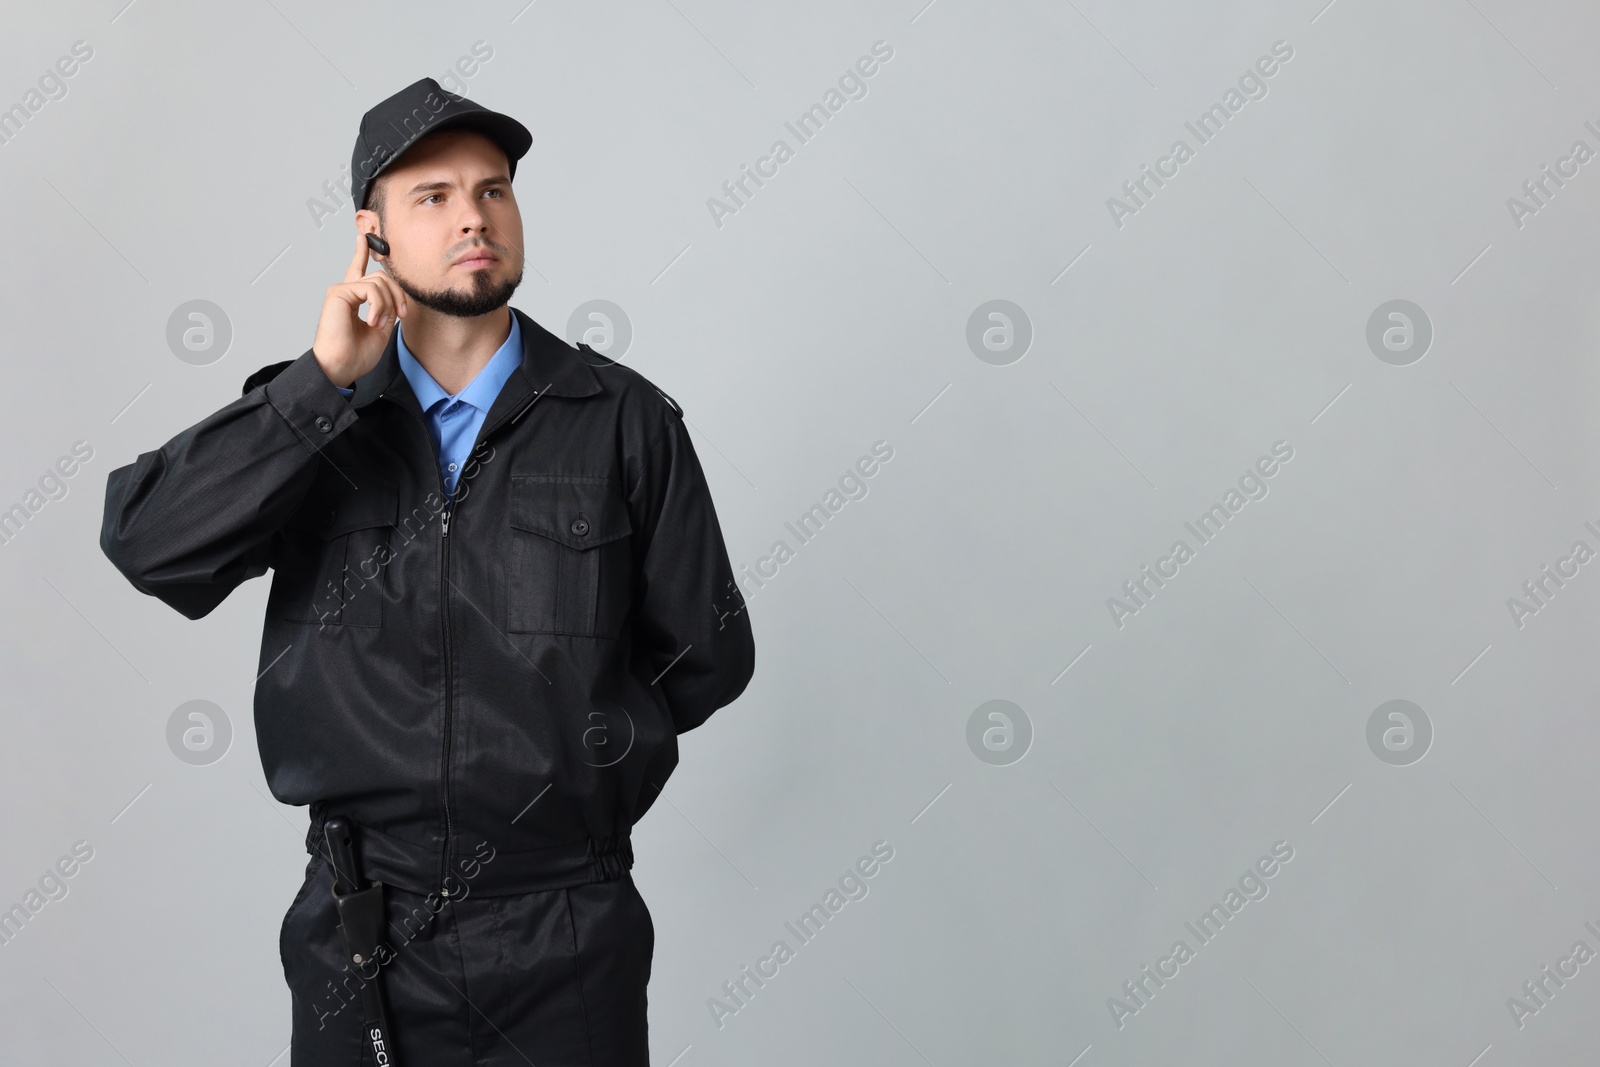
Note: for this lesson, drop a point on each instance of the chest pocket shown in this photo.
(570, 567)
(336, 551)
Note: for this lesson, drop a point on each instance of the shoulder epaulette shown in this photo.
(264, 375)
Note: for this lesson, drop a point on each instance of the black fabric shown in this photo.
(555, 978)
(505, 671)
(395, 124)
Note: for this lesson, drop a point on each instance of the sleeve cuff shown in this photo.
(310, 403)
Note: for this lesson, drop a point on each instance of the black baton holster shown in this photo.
(361, 923)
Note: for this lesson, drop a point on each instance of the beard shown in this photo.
(482, 296)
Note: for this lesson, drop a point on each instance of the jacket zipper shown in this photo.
(444, 630)
(449, 718)
(444, 615)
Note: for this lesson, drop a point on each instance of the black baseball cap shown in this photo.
(421, 108)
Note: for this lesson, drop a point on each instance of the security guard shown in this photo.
(500, 592)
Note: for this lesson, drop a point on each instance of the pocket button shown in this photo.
(580, 526)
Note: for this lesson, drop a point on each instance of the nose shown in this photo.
(473, 218)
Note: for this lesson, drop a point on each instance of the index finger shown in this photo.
(358, 265)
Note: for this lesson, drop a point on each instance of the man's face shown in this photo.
(447, 200)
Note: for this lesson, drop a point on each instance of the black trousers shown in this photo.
(554, 978)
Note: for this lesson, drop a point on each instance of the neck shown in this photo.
(453, 350)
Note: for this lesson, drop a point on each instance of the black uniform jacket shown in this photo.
(507, 669)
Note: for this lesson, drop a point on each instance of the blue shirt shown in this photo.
(453, 421)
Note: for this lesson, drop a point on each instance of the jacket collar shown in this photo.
(549, 366)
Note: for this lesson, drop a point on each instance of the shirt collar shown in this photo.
(485, 385)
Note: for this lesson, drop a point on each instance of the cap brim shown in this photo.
(510, 135)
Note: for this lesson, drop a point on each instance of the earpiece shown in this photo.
(377, 244)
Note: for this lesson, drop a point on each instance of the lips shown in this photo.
(477, 262)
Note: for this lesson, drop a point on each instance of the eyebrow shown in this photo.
(436, 187)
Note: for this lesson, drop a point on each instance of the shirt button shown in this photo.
(452, 466)
(324, 424)
(580, 526)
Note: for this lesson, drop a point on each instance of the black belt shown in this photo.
(485, 870)
(361, 923)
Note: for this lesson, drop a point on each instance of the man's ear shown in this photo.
(367, 222)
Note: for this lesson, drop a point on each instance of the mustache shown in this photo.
(455, 253)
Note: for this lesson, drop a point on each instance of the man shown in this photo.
(500, 592)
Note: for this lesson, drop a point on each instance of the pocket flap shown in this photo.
(333, 507)
(578, 512)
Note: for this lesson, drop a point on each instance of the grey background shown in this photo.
(831, 312)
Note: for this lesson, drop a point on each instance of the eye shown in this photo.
(430, 196)
(497, 192)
